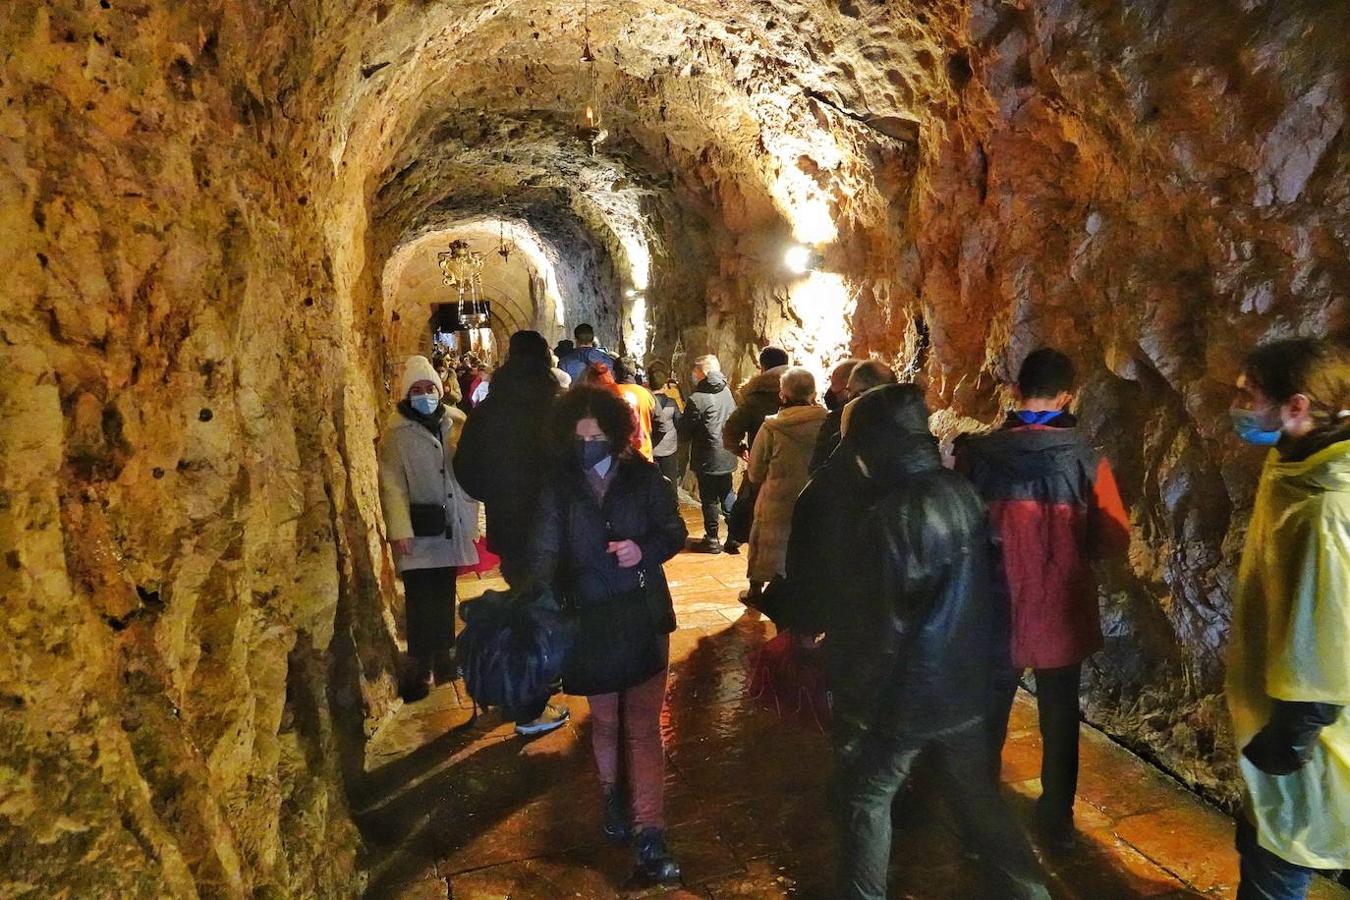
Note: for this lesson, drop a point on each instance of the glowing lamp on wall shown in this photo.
(801, 259)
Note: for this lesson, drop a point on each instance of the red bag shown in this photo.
(790, 679)
(487, 560)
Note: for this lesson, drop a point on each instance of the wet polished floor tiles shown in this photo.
(471, 812)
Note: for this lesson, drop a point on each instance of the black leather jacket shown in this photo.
(914, 645)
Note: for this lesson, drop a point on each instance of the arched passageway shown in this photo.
(216, 214)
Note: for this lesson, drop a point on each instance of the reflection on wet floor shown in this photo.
(470, 811)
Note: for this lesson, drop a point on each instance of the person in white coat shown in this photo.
(428, 518)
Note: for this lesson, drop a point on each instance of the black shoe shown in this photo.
(1056, 834)
(732, 546)
(617, 829)
(416, 681)
(654, 859)
(708, 545)
(446, 668)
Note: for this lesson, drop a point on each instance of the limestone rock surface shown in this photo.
(204, 204)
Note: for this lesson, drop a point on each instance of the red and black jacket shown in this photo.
(1055, 506)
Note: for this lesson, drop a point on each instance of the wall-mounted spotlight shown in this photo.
(801, 259)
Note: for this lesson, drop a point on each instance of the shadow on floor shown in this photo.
(490, 815)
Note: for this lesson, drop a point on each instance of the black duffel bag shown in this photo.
(616, 643)
(512, 648)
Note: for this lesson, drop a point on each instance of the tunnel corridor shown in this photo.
(221, 221)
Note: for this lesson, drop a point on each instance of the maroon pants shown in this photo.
(632, 718)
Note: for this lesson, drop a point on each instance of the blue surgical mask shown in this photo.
(425, 403)
(1247, 424)
(592, 453)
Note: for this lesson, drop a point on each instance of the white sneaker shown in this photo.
(553, 718)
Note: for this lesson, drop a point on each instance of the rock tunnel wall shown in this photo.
(1154, 187)
(198, 201)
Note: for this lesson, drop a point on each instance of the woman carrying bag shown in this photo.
(606, 523)
(428, 518)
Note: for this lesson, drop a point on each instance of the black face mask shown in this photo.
(591, 453)
(835, 401)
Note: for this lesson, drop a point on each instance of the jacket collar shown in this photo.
(766, 382)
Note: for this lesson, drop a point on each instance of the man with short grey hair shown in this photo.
(862, 378)
(709, 407)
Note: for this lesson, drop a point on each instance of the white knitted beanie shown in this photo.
(419, 368)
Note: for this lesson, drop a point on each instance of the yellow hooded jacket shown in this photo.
(1291, 641)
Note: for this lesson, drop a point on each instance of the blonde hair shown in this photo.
(708, 364)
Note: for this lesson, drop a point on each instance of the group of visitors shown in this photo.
(936, 587)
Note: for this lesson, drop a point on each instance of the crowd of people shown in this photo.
(937, 581)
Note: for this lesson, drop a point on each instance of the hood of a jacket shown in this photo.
(712, 383)
(767, 382)
(888, 430)
(1028, 452)
(1326, 471)
(523, 383)
(797, 423)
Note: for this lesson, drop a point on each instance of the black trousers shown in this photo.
(866, 785)
(670, 467)
(430, 609)
(1058, 713)
(716, 496)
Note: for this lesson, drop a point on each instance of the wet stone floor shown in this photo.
(472, 813)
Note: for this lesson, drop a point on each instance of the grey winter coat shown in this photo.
(705, 417)
(417, 467)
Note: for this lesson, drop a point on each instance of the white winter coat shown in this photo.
(415, 467)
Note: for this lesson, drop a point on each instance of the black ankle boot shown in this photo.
(447, 667)
(617, 829)
(416, 680)
(654, 859)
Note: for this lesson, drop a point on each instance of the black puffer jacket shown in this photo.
(572, 530)
(501, 459)
(705, 416)
(914, 648)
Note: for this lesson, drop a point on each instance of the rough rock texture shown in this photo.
(204, 206)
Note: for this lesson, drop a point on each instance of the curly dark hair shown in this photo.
(615, 417)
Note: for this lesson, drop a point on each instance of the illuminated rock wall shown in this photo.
(199, 202)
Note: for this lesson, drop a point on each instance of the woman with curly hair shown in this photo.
(606, 523)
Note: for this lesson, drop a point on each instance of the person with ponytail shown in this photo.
(1288, 680)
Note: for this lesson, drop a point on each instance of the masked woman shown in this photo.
(606, 523)
(428, 518)
(1289, 651)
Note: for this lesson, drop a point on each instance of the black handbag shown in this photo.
(428, 520)
(742, 516)
(617, 643)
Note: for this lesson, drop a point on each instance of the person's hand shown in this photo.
(402, 547)
(745, 455)
(627, 553)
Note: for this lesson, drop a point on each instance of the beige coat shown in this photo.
(415, 467)
(779, 463)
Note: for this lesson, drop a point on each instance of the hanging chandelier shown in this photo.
(503, 248)
(589, 128)
(462, 269)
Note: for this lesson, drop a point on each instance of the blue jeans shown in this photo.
(1266, 876)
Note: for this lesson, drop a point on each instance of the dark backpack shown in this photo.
(512, 647)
